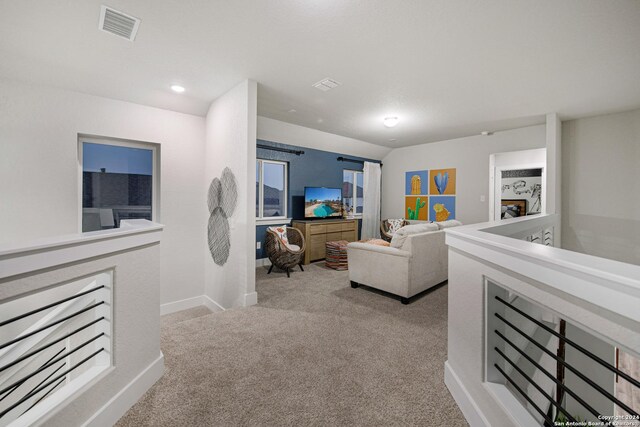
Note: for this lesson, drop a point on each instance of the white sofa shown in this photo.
(418, 261)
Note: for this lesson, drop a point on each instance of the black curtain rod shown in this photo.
(283, 150)
(346, 159)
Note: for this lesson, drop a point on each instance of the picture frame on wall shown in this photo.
(512, 208)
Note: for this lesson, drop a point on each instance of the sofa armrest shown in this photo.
(378, 249)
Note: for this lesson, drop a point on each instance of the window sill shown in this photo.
(272, 221)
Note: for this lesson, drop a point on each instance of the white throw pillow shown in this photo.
(398, 239)
(281, 232)
(448, 224)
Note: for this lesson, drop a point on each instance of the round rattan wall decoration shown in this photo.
(221, 199)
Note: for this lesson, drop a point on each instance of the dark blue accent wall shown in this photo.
(314, 168)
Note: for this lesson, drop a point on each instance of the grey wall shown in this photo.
(470, 156)
(600, 178)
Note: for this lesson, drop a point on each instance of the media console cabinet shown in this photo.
(320, 231)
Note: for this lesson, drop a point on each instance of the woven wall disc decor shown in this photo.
(228, 192)
(213, 196)
(219, 236)
(221, 200)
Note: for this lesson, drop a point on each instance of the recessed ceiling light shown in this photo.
(293, 110)
(177, 88)
(390, 121)
(320, 120)
(486, 133)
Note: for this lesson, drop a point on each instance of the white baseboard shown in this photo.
(263, 262)
(250, 299)
(465, 401)
(115, 408)
(185, 304)
(211, 304)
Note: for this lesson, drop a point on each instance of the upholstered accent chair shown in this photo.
(285, 255)
(388, 227)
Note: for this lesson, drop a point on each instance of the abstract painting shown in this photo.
(416, 183)
(416, 208)
(442, 208)
(442, 181)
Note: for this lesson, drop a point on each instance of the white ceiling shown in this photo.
(446, 68)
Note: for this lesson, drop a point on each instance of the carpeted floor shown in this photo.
(314, 351)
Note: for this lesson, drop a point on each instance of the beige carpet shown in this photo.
(314, 351)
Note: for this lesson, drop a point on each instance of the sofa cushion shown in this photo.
(448, 224)
(401, 235)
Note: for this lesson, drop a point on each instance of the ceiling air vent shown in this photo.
(118, 23)
(326, 84)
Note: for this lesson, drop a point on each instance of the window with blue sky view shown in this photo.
(117, 184)
(271, 189)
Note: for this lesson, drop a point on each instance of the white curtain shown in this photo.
(371, 203)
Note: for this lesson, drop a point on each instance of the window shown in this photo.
(271, 189)
(117, 182)
(352, 185)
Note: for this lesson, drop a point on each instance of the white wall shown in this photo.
(286, 133)
(39, 185)
(231, 142)
(601, 172)
(470, 156)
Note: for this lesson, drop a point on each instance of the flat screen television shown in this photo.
(322, 202)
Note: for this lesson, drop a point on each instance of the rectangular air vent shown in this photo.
(326, 84)
(118, 23)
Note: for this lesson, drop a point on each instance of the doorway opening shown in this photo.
(517, 184)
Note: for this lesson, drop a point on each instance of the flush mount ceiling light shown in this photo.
(390, 121)
(177, 88)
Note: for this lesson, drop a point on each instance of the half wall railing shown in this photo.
(534, 329)
(64, 355)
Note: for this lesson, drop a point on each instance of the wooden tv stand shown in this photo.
(318, 232)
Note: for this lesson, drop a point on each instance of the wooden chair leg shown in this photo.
(288, 275)
(300, 265)
(270, 268)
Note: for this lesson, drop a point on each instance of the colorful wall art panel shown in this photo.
(442, 208)
(416, 183)
(416, 207)
(442, 181)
